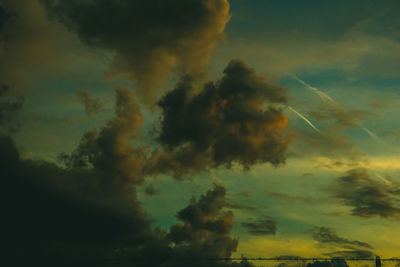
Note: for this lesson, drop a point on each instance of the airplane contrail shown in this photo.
(329, 100)
(386, 181)
(374, 136)
(304, 118)
(324, 97)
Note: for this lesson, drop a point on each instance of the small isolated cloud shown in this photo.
(238, 205)
(261, 226)
(151, 190)
(92, 105)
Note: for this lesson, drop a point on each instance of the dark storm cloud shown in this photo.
(329, 236)
(64, 213)
(261, 226)
(79, 210)
(151, 38)
(237, 119)
(88, 211)
(56, 214)
(92, 105)
(51, 212)
(367, 197)
(97, 211)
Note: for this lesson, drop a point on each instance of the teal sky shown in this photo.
(348, 51)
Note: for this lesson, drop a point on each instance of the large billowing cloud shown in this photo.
(237, 119)
(110, 150)
(89, 211)
(88, 208)
(367, 197)
(151, 38)
(49, 211)
(203, 231)
(66, 215)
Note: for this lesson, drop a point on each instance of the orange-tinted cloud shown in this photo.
(151, 39)
(237, 119)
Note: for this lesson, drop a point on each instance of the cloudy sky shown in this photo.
(200, 128)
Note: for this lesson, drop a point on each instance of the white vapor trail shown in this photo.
(304, 118)
(324, 97)
(386, 181)
(329, 100)
(374, 136)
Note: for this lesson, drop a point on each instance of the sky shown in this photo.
(197, 129)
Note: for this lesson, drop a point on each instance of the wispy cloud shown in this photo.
(367, 198)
